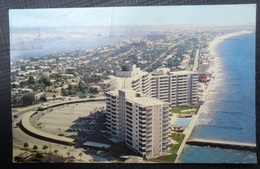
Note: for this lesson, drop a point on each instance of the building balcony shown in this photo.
(142, 119)
(108, 125)
(143, 115)
(142, 131)
(165, 131)
(149, 122)
(149, 133)
(143, 124)
(149, 143)
(164, 146)
(163, 88)
(149, 148)
(149, 117)
(148, 128)
(146, 87)
(182, 83)
(166, 115)
(142, 135)
(143, 128)
(165, 120)
(182, 96)
(143, 141)
(142, 151)
(148, 138)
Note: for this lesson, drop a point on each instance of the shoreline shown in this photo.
(213, 45)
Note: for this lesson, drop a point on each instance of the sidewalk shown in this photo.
(188, 131)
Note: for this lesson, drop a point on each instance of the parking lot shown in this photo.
(83, 122)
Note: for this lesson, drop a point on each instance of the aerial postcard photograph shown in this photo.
(158, 84)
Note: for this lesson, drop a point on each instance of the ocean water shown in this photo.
(229, 112)
(216, 155)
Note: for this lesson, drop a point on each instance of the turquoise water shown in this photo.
(229, 112)
(182, 122)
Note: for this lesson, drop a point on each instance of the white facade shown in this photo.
(179, 88)
(138, 106)
(142, 122)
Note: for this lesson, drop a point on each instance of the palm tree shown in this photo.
(179, 112)
(80, 154)
(44, 148)
(16, 116)
(26, 145)
(68, 153)
(35, 148)
(55, 152)
(54, 97)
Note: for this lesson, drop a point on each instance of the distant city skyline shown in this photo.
(199, 15)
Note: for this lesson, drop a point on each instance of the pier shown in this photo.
(222, 144)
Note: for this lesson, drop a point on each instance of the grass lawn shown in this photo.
(180, 109)
(175, 147)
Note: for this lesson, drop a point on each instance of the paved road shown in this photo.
(19, 137)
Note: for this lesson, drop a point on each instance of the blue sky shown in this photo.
(215, 15)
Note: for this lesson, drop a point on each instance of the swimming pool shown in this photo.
(182, 122)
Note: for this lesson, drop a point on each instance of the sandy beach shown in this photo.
(215, 59)
(213, 45)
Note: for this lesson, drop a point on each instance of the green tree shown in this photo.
(45, 147)
(15, 117)
(56, 152)
(35, 148)
(28, 99)
(43, 98)
(31, 80)
(80, 155)
(46, 81)
(26, 145)
(65, 92)
(54, 97)
(14, 85)
(93, 90)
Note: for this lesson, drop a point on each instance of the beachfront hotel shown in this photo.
(142, 122)
(139, 102)
(180, 88)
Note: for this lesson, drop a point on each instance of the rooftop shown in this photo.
(133, 96)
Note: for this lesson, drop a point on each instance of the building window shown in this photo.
(129, 143)
(129, 104)
(129, 138)
(142, 109)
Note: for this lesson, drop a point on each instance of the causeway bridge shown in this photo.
(223, 144)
